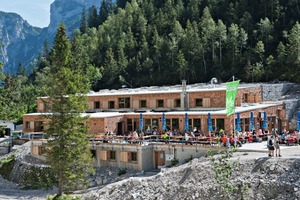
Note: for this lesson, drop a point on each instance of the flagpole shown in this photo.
(233, 119)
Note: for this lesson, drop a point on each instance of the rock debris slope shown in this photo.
(266, 178)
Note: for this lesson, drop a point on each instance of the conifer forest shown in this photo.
(161, 42)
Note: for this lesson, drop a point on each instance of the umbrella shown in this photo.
(141, 122)
(251, 121)
(238, 122)
(265, 125)
(164, 127)
(298, 125)
(186, 122)
(209, 122)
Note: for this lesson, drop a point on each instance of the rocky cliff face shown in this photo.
(69, 12)
(289, 94)
(14, 32)
(22, 42)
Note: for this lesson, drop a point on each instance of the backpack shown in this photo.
(270, 142)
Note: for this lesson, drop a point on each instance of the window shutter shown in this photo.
(206, 102)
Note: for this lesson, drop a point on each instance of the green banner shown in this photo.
(231, 90)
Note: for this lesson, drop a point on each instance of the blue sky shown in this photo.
(35, 12)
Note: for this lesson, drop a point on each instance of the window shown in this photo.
(168, 124)
(46, 107)
(124, 102)
(38, 126)
(177, 103)
(155, 123)
(213, 122)
(93, 152)
(220, 124)
(175, 124)
(112, 155)
(160, 103)
(27, 124)
(143, 103)
(147, 122)
(133, 156)
(96, 104)
(41, 150)
(246, 124)
(197, 123)
(129, 125)
(190, 124)
(111, 104)
(245, 98)
(198, 102)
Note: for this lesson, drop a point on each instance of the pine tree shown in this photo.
(104, 11)
(1, 68)
(21, 70)
(121, 3)
(83, 24)
(93, 17)
(68, 152)
(1, 74)
(294, 43)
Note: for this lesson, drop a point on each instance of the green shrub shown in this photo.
(63, 197)
(188, 159)
(122, 171)
(38, 177)
(6, 168)
(224, 169)
(174, 162)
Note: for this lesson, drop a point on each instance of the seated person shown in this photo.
(131, 137)
(135, 135)
(192, 134)
(148, 130)
(291, 139)
(187, 138)
(195, 130)
(258, 139)
(250, 139)
(171, 133)
(164, 136)
(223, 139)
(259, 133)
(208, 134)
(283, 138)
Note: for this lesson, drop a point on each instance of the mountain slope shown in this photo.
(22, 42)
(14, 31)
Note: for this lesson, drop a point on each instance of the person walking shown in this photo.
(227, 146)
(271, 146)
(277, 147)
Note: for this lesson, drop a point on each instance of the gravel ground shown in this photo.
(267, 178)
(178, 178)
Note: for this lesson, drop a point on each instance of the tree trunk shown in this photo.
(60, 185)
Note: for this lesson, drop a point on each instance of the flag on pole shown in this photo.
(141, 122)
(231, 90)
